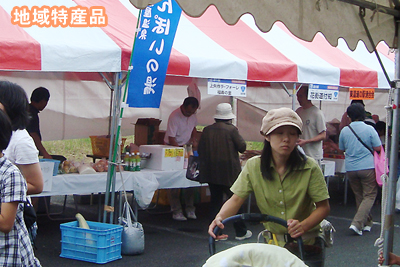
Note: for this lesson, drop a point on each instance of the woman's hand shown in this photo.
(295, 228)
(216, 222)
(393, 259)
(230, 208)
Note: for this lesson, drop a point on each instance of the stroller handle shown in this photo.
(254, 218)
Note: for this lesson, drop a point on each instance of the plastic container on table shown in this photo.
(56, 164)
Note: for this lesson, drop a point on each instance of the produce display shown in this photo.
(69, 166)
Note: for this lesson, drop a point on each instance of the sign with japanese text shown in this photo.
(150, 56)
(362, 93)
(59, 16)
(173, 152)
(323, 92)
(226, 87)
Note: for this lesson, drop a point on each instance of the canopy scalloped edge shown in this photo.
(334, 19)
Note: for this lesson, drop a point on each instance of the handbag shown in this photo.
(379, 160)
(380, 168)
(30, 221)
(192, 171)
(132, 236)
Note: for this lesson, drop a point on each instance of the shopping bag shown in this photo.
(379, 161)
(132, 236)
(144, 187)
(192, 171)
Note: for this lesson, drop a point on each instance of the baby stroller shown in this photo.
(258, 254)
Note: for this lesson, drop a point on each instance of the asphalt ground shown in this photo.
(173, 243)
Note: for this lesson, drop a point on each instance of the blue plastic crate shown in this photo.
(56, 164)
(99, 244)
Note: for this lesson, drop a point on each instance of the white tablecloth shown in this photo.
(328, 166)
(339, 164)
(68, 184)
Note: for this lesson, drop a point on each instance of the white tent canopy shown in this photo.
(304, 19)
(68, 61)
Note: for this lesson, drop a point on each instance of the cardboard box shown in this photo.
(160, 197)
(163, 158)
(159, 138)
(146, 130)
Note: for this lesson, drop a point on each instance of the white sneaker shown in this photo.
(367, 228)
(191, 215)
(179, 217)
(246, 236)
(355, 230)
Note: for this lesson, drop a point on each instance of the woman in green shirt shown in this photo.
(286, 183)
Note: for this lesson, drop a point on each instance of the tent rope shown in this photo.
(361, 14)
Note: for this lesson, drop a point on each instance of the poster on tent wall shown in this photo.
(323, 92)
(226, 87)
(151, 52)
(362, 93)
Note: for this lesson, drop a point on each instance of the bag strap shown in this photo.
(359, 139)
(127, 208)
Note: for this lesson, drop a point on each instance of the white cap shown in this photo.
(224, 112)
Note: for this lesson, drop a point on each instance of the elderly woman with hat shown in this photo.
(219, 161)
(286, 183)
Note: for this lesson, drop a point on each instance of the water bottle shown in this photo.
(137, 161)
(127, 161)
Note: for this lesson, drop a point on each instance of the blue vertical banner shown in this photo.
(150, 56)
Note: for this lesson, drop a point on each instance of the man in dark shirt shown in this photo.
(39, 99)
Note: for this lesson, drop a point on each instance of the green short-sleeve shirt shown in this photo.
(293, 198)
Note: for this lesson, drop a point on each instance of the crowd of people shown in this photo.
(286, 178)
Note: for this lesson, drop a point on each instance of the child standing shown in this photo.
(15, 245)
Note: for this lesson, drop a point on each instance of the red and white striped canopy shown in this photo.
(204, 47)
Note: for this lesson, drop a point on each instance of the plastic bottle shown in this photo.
(127, 161)
(132, 162)
(188, 152)
(185, 157)
(137, 161)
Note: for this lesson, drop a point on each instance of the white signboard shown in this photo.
(227, 87)
(323, 92)
(47, 172)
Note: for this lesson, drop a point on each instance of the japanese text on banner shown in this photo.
(226, 87)
(150, 56)
(59, 16)
(362, 93)
(323, 92)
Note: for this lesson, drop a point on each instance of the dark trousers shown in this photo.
(217, 200)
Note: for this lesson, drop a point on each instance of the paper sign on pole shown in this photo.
(323, 92)
(362, 93)
(47, 173)
(150, 56)
(226, 87)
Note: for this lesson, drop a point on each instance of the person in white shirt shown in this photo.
(21, 150)
(181, 130)
(314, 127)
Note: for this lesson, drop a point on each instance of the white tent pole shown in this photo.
(234, 109)
(294, 92)
(393, 175)
(110, 187)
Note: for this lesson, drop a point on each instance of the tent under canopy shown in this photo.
(68, 61)
(334, 18)
(204, 47)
